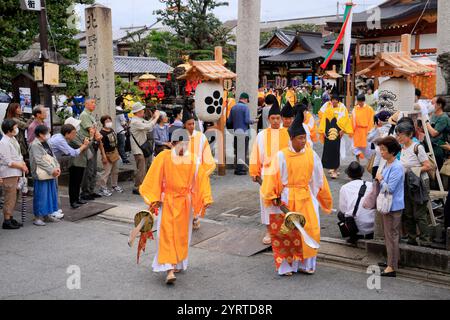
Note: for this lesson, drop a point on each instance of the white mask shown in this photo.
(47, 136)
(16, 131)
(108, 125)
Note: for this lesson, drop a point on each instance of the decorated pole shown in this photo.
(222, 168)
(345, 36)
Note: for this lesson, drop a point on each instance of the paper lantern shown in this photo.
(397, 95)
(209, 101)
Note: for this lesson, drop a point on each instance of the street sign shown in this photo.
(33, 5)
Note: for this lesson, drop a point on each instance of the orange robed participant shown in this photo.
(299, 182)
(363, 122)
(267, 144)
(198, 145)
(309, 124)
(178, 185)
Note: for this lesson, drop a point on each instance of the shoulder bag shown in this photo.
(146, 148)
(347, 225)
(41, 173)
(432, 172)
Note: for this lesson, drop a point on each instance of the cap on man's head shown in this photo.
(244, 95)
(137, 107)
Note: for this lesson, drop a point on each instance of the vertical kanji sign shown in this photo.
(100, 59)
(33, 5)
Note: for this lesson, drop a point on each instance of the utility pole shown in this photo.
(43, 39)
(337, 10)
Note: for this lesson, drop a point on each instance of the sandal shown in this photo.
(170, 279)
(289, 274)
(196, 224)
(308, 272)
(334, 176)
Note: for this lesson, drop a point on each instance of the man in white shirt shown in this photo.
(348, 196)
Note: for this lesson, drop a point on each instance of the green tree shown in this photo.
(166, 47)
(308, 27)
(77, 81)
(19, 28)
(265, 36)
(194, 22)
(125, 87)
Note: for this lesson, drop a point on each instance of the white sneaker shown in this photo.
(39, 223)
(57, 214)
(49, 218)
(105, 192)
(117, 189)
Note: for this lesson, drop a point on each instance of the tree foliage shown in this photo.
(19, 29)
(193, 21)
(308, 27)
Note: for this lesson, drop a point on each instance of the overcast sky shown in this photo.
(140, 12)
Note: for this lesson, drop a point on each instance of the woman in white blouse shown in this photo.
(12, 167)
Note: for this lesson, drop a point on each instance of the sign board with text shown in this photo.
(99, 49)
(51, 74)
(32, 5)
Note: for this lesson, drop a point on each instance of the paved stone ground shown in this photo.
(36, 260)
(232, 192)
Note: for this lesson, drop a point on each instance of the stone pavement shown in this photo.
(37, 262)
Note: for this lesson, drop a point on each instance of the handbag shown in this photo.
(41, 173)
(370, 202)
(146, 148)
(113, 156)
(369, 167)
(347, 225)
(446, 168)
(384, 202)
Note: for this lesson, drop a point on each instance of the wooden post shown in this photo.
(222, 167)
(348, 100)
(43, 39)
(406, 45)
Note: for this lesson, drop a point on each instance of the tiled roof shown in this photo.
(133, 65)
(270, 52)
(209, 70)
(312, 43)
(399, 63)
(390, 12)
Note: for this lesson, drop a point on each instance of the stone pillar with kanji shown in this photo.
(99, 44)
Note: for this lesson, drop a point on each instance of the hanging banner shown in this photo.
(51, 74)
(38, 74)
(25, 100)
